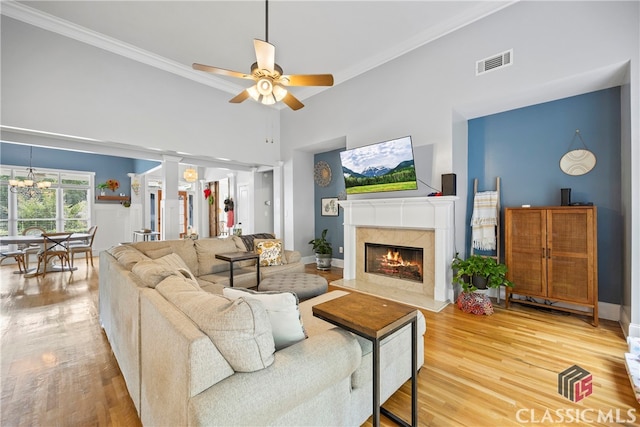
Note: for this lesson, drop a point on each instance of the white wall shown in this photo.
(54, 84)
(561, 49)
(263, 193)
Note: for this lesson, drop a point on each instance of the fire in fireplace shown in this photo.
(399, 262)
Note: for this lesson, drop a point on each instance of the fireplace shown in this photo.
(398, 262)
(416, 245)
(426, 223)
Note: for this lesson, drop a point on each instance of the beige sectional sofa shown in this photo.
(175, 373)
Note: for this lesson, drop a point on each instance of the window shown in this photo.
(76, 201)
(65, 206)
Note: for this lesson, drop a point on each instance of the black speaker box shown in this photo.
(448, 184)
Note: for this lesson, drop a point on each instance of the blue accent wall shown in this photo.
(105, 167)
(334, 224)
(524, 148)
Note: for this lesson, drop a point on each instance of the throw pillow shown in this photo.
(152, 272)
(270, 251)
(239, 329)
(283, 311)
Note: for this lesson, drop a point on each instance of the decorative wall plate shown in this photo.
(577, 162)
(322, 173)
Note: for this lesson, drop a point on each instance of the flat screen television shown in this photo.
(385, 166)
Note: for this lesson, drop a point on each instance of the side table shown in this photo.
(376, 318)
(146, 235)
(232, 257)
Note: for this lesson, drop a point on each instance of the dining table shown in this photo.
(35, 239)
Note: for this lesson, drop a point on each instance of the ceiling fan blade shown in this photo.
(240, 97)
(222, 71)
(265, 54)
(307, 80)
(292, 102)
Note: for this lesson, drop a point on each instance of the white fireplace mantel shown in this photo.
(428, 213)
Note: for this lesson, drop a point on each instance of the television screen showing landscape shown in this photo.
(385, 166)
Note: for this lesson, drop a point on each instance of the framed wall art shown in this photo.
(329, 206)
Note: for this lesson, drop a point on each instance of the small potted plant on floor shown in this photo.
(323, 251)
(475, 273)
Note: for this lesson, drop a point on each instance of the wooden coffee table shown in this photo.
(232, 257)
(376, 318)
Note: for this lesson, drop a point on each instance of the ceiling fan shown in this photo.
(270, 81)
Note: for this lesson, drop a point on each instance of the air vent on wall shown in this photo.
(494, 62)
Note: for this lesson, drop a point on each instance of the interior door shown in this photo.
(183, 221)
(214, 221)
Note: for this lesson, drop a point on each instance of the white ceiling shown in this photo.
(344, 38)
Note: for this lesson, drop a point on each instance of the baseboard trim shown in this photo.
(335, 262)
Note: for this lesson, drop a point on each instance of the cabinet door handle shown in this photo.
(543, 255)
(549, 253)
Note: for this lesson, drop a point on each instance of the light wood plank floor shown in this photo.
(57, 368)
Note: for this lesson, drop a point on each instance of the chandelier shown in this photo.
(28, 187)
(190, 175)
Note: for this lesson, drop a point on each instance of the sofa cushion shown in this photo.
(127, 255)
(240, 328)
(283, 311)
(159, 253)
(270, 251)
(152, 272)
(206, 250)
(183, 247)
(291, 257)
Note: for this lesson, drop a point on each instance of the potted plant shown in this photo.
(479, 272)
(102, 187)
(111, 184)
(323, 251)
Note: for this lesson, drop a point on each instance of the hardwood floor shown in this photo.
(57, 367)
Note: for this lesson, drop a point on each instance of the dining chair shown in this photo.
(17, 255)
(86, 247)
(55, 245)
(33, 248)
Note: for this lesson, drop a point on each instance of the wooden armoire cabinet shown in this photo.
(552, 257)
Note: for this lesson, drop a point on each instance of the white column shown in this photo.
(170, 205)
(278, 205)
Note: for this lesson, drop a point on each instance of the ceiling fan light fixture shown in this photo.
(279, 93)
(268, 75)
(264, 86)
(268, 99)
(253, 93)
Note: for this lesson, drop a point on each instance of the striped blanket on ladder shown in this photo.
(484, 220)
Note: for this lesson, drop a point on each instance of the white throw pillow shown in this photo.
(283, 311)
